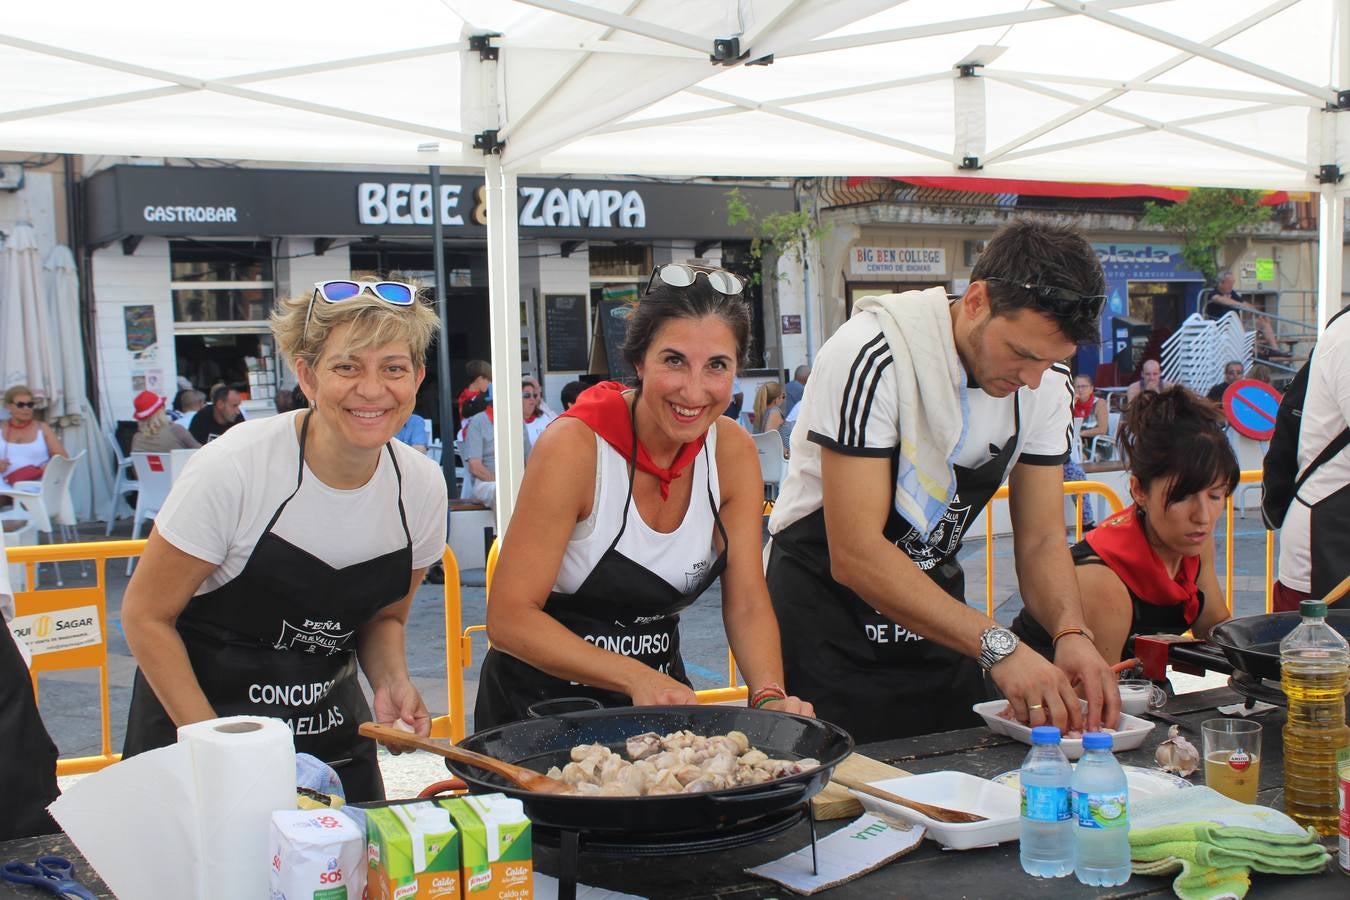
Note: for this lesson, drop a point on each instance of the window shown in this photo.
(619, 261)
(219, 282)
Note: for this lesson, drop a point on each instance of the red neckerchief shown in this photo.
(1084, 409)
(492, 414)
(605, 411)
(1121, 543)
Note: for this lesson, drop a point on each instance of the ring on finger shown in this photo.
(1035, 706)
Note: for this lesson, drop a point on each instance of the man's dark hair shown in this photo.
(219, 393)
(1175, 434)
(477, 368)
(1031, 252)
(665, 303)
(571, 391)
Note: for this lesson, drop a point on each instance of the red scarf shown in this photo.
(605, 411)
(1083, 409)
(1121, 543)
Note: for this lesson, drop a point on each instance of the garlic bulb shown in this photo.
(1176, 754)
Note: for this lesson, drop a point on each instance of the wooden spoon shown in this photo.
(937, 813)
(528, 779)
(1338, 591)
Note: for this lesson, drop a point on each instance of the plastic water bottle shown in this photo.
(1313, 674)
(1047, 825)
(1102, 821)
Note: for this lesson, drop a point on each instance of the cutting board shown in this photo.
(835, 802)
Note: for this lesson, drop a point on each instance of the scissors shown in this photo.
(51, 873)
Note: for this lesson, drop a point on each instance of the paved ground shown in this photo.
(69, 701)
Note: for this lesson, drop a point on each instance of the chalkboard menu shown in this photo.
(613, 326)
(565, 331)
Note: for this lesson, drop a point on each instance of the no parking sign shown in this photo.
(1250, 407)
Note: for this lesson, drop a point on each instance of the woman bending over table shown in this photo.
(1149, 569)
(633, 503)
(289, 549)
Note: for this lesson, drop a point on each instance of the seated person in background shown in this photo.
(1232, 371)
(570, 392)
(769, 400)
(632, 505)
(479, 452)
(536, 414)
(185, 404)
(1225, 300)
(480, 379)
(1149, 568)
(1150, 379)
(1260, 372)
(414, 433)
(219, 417)
(1090, 410)
(28, 757)
(155, 433)
(26, 444)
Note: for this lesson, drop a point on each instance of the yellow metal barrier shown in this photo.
(451, 724)
(1251, 476)
(46, 602)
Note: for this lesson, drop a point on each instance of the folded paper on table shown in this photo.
(852, 851)
(189, 820)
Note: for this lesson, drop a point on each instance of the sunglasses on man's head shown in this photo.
(1058, 300)
(393, 292)
(25, 404)
(681, 276)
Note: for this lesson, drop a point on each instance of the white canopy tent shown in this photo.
(1245, 93)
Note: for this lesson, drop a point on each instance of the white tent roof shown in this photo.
(1180, 92)
(1173, 92)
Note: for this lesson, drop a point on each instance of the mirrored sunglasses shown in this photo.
(681, 276)
(1057, 300)
(393, 292)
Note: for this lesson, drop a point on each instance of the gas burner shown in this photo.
(1254, 689)
(571, 845)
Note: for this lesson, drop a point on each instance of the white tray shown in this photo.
(1001, 805)
(1129, 735)
(1141, 782)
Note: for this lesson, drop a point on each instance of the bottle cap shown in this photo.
(1045, 734)
(1097, 740)
(1312, 609)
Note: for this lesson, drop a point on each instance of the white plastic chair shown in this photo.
(47, 502)
(154, 471)
(121, 486)
(1104, 445)
(24, 534)
(178, 460)
(772, 463)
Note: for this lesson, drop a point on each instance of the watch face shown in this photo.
(1000, 641)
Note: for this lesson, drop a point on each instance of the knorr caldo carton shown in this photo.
(412, 852)
(496, 847)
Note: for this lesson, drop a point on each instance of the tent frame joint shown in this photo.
(726, 51)
(488, 142)
(1342, 102)
(969, 70)
(1329, 174)
(971, 163)
(482, 45)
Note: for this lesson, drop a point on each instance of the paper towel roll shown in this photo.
(190, 820)
(244, 770)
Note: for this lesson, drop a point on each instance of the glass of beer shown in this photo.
(1232, 749)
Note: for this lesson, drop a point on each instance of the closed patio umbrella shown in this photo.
(91, 484)
(26, 335)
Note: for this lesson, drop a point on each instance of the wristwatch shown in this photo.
(995, 644)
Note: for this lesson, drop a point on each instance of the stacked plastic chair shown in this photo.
(1195, 354)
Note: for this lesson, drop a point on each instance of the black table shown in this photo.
(926, 872)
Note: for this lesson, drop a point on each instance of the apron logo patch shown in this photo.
(944, 541)
(694, 577)
(314, 637)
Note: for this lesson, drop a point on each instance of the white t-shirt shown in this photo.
(230, 488)
(850, 406)
(1326, 411)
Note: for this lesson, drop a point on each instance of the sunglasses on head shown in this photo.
(393, 292)
(681, 276)
(1057, 300)
(25, 404)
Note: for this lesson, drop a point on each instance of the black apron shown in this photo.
(865, 673)
(1328, 540)
(27, 754)
(280, 640)
(622, 606)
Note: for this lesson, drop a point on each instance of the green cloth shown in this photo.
(1197, 882)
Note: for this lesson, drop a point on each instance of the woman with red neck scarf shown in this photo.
(26, 444)
(633, 503)
(1149, 569)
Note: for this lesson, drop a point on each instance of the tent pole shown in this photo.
(1330, 253)
(443, 388)
(504, 319)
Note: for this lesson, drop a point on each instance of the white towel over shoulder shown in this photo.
(932, 400)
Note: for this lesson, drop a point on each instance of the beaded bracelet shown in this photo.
(767, 694)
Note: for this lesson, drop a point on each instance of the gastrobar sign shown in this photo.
(409, 203)
(898, 261)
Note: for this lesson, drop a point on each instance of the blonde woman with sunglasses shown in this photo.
(26, 443)
(289, 550)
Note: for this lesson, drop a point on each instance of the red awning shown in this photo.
(976, 184)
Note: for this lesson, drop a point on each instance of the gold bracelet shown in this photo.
(1054, 641)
